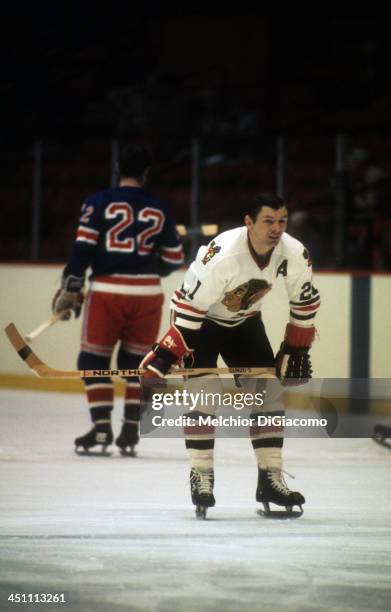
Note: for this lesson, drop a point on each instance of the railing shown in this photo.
(44, 188)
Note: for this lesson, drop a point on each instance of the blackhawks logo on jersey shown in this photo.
(307, 256)
(246, 295)
(211, 252)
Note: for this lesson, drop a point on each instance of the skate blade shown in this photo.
(129, 451)
(85, 452)
(200, 512)
(382, 441)
(288, 513)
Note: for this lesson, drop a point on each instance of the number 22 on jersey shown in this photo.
(125, 215)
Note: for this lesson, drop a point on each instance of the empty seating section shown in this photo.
(71, 172)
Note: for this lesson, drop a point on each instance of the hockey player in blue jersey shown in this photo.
(128, 238)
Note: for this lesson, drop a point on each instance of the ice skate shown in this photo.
(127, 439)
(273, 489)
(100, 435)
(382, 435)
(201, 487)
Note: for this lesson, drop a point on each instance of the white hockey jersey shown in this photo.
(227, 281)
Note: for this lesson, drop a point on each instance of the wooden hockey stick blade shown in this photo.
(44, 371)
(45, 325)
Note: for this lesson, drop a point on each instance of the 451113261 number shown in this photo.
(37, 598)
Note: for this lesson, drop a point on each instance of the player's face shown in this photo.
(268, 228)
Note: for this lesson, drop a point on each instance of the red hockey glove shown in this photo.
(293, 364)
(70, 297)
(171, 349)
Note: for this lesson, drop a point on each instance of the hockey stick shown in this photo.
(45, 325)
(44, 371)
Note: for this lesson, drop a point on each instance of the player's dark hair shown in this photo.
(263, 199)
(133, 160)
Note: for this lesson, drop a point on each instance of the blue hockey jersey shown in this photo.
(128, 238)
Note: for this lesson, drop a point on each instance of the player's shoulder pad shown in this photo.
(154, 200)
(99, 198)
(219, 250)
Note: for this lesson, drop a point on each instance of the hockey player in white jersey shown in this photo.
(217, 311)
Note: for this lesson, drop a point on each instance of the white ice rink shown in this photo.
(120, 534)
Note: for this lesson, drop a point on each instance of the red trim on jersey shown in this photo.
(169, 254)
(83, 232)
(307, 308)
(187, 307)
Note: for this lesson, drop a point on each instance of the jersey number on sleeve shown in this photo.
(129, 241)
(87, 212)
(190, 294)
(307, 292)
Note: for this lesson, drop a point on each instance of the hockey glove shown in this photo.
(293, 364)
(171, 349)
(70, 296)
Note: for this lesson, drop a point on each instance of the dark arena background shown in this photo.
(230, 104)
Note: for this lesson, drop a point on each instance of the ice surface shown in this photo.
(120, 534)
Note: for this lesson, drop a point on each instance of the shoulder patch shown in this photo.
(211, 252)
(307, 256)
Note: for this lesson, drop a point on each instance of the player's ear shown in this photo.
(248, 221)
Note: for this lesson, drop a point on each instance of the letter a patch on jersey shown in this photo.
(211, 252)
(282, 268)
